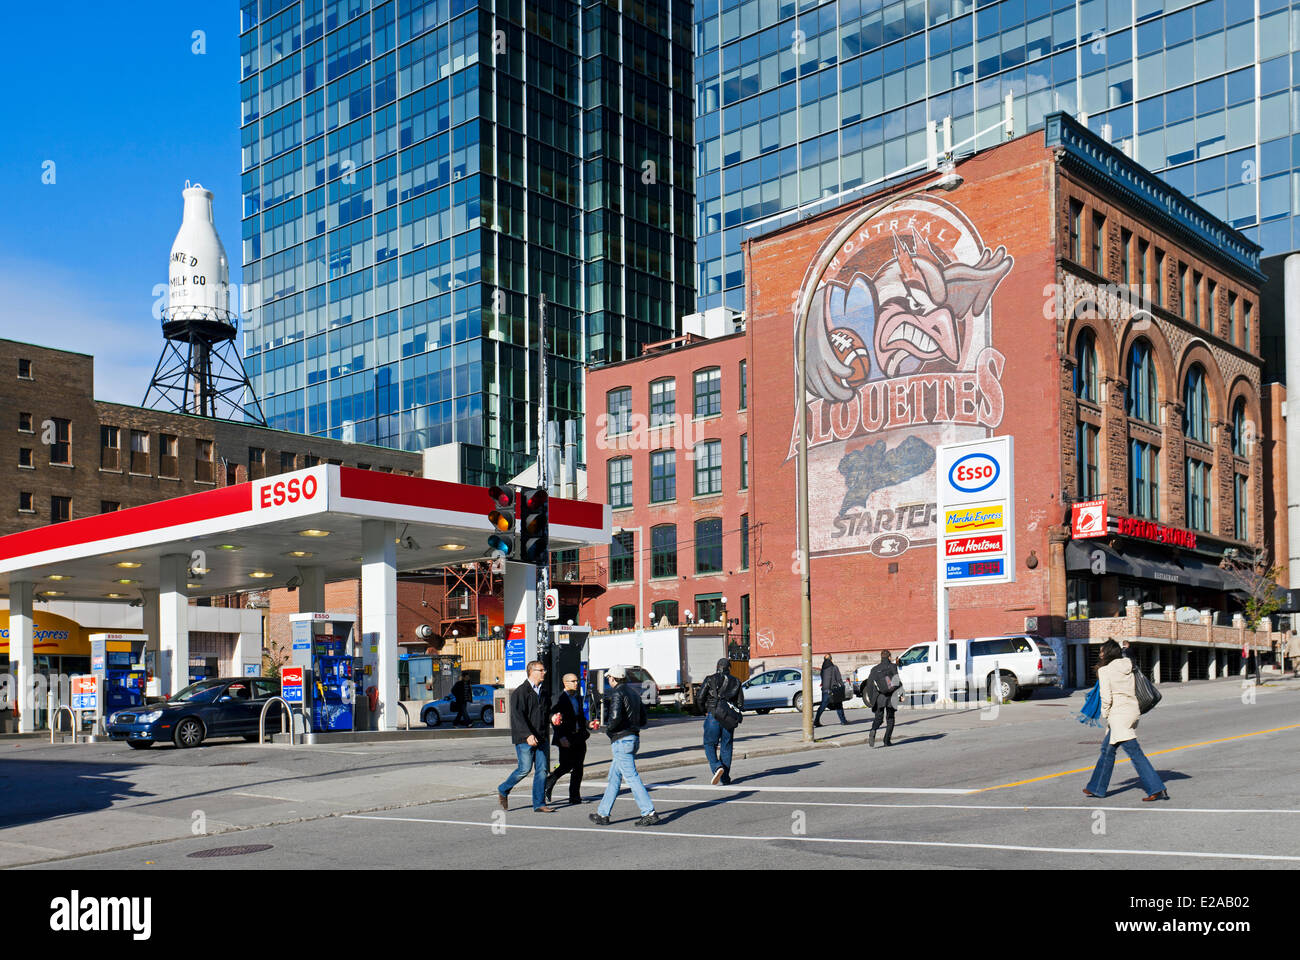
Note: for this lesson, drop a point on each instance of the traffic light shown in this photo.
(534, 526)
(502, 518)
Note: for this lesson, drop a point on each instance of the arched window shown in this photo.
(1196, 406)
(1141, 400)
(1240, 428)
(1085, 367)
(622, 617)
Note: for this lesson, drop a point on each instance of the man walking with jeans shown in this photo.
(529, 731)
(624, 718)
(719, 687)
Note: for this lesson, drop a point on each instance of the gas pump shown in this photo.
(118, 660)
(323, 647)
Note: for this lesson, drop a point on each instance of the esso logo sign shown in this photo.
(974, 472)
(284, 492)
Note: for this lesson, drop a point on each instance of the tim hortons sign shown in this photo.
(900, 360)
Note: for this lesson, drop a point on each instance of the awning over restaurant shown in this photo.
(1144, 564)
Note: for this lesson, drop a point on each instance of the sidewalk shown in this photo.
(93, 798)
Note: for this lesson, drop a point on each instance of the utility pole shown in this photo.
(543, 483)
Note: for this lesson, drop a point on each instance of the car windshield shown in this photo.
(203, 690)
(915, 655)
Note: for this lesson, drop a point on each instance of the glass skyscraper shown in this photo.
(417, 174)
(798, 100)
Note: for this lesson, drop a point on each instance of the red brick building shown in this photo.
(668, 449)
(1013, 305)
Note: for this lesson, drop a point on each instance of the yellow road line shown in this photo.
(1154, 753)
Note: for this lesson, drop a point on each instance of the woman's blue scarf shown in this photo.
(1090, 714)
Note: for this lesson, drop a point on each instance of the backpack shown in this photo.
(722, 709)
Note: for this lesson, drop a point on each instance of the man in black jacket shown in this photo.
(529, 730)
(720, 686)
(832, 691)
(624, 718)
(882, 682)
(460, 695)
(571, 735)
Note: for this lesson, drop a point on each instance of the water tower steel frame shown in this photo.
(200, 371)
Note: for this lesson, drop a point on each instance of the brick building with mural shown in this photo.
(1062, 295)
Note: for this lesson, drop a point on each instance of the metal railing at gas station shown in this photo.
(72, 721)
(286, 712)
(407, 712)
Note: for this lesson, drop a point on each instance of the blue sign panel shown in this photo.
(84, 701)
(515, 654)
(291, 694)
(969, 569)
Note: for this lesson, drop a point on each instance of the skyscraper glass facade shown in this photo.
(798, 100)
(419, 174)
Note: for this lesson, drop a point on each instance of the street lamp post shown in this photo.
(948, 182)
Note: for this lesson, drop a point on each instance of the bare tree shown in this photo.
(1257, 578)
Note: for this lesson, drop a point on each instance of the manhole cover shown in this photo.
(503, 762)
(230, 851)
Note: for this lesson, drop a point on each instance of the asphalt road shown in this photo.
(982, 796)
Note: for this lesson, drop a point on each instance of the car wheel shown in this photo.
(432, 719)
(486, 716)
(797, 702)
(763, 710)
(139, 744)
(189, 733)
(1010, 687)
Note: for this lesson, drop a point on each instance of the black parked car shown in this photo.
(226, 707)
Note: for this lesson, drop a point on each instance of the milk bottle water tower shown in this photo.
(200, 371)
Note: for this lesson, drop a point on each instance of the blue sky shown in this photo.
(115, 96)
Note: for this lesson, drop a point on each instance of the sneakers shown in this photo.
(597, 819)
(651, 819)
(718, 774)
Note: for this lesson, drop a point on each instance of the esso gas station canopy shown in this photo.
(264, 533)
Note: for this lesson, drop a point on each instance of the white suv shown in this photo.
(1022, 663)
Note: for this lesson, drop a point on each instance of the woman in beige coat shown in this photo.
(1119, 706)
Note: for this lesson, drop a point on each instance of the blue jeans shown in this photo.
(1151, 781)
(717, 745)
(826, 702)
(622, 766)
(536, 759)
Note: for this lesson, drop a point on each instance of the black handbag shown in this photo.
(726, 713)
(1145, 691)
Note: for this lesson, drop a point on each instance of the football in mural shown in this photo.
(853, 353)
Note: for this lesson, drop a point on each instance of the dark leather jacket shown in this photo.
(528, 714)
(722, 685)
(624, 713)
(876, 684)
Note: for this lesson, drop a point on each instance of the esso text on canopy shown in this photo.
(974, 472)
(283, 492)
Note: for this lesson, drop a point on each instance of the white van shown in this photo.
(1023, 663)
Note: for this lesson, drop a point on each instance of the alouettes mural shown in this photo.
(900, 360)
